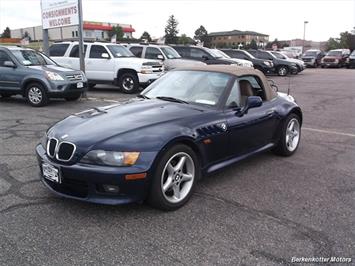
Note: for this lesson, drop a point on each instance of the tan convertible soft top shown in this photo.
(239, 72)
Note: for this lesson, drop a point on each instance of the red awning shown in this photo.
(91, 26)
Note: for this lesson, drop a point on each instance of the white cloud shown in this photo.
(279, 19)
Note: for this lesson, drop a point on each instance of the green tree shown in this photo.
(6, 33)
(253, 44)
(333, 43)
(116, 30)
(146, 36)
(184, 39)
(201, 34)
(171, 30)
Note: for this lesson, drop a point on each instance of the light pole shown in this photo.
(304, 34)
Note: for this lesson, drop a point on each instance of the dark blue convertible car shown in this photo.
(187, 124)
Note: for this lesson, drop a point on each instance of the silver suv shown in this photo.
(33, 75)
(164, 53)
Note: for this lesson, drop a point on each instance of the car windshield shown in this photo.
(353, 53)
(249, 54)
(334, 53)
(221, 53)
(120, 51)
(170, 52)
(279, 55)
(196, 87)
(32, 58)
(310, 53)
(215, 53)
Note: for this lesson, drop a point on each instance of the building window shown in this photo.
(76, 33)
(72, 34)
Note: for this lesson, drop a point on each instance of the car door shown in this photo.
(10, 77)
(100, 64)
(254, 129)
(136, 50)
(153, 53)
(72, 60)
(201, 55)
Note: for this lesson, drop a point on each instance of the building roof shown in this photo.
(237, 33)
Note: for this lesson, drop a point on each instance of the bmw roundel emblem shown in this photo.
(223, 126)
(65, 136)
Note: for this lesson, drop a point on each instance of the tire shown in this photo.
(173, 180)
(36, 95)
(282, 70)
(73, 98)
(285, 146)
(128, 82)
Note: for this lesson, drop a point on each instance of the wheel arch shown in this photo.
(297, 111)
(125, 70)
(28, 81)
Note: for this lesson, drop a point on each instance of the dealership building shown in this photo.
(236, 37)
(93, 31)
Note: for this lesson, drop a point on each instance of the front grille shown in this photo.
(51, 146)
(157, 68)
(75, 77)
(307, 59)
(66, 151)
(329, 60)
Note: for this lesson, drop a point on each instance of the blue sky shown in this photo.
(282, 19)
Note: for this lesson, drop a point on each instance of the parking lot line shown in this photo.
(329, 132)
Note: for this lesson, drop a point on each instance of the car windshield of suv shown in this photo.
(223, 54)
(310, 53)
(334, 53)
(32, 58)
(120, 51)
(196, 87)
(279, 55)
(170, 53)
(249, 54)
(215, 53)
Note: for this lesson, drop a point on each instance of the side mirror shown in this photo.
(160, 57)
(9, 64)
(205, 57)
(251, 102)
(105, 55)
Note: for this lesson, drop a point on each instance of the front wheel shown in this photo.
(174, 179)
(290, 136)
(128, 82)
(282, 70)
(36, 95)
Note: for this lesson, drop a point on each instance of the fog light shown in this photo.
(111, 188)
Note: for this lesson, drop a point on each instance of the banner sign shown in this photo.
(59, 13)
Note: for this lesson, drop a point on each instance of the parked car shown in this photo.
(313, 57)
(289, 53)
(335, 58)
(170, 58)
(109, 63)
(300, 64)
(239, 62)
(187, 124)
(205, 55)
(265, 66)
(351, 58)
(283, 67)
(36, 77)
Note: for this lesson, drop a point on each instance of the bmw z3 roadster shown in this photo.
(189, 123)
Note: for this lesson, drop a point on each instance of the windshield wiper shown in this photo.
(171, 99)
(142, 96)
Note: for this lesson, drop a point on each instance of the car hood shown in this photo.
(181, 62)
(92, 127)
(297, 61)
(54, 68)
(331, 57)
(137, 60)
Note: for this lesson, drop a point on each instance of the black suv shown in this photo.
(313, 58)
(266, 66)
(203, 54)
(283, 67)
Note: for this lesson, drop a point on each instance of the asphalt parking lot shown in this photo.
(262, 211)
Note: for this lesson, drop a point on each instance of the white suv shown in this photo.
(108, 63)
(170, 58)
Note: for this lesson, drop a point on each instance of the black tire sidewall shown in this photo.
(156, 197)
(43, 91)
(135, 80)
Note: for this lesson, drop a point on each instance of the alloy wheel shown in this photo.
(292, 134)
(178, 177)
(35, 95)
(128, 83)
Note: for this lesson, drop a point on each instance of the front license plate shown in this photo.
(79, 85)
(50, 172)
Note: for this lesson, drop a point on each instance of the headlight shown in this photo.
(336, 60)
(53, 76)
(269, 64)
(44, 141)
(110, 158)
(147, 69)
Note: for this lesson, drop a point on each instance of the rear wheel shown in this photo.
(290, 136)
(36, 95)
(174, 179)
(128, 82)
(282, 70)
(73, 97)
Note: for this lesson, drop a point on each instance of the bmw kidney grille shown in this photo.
(62, 151)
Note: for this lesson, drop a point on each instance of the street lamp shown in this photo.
(304, 34)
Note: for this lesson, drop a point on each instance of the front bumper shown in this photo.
(66, 88)
(293, 69)
(85, 182)
(265, 69)
(146, 79)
